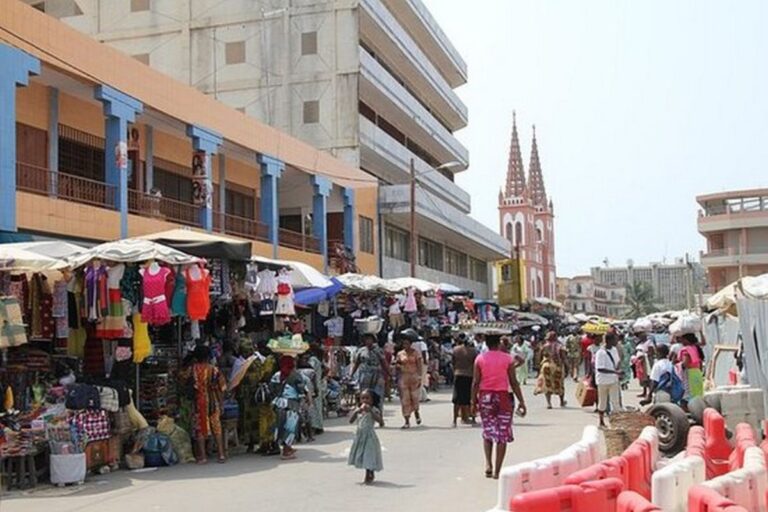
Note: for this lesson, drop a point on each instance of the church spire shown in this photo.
(536, 179)
(515, 186)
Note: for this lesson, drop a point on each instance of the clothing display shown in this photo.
(335, 327)
(198, 298)
(112, 325)
(267, 284)
(155, 310)
(142, 346)
(410, 305)
(285, 305)
(96, 291)
(179, 300)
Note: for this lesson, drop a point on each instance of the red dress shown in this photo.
(198, 295)
(155, 310)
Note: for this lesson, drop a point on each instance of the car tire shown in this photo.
(672, 424)
(696, 409)
(713, 401)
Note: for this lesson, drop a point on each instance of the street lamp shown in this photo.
(414, 237)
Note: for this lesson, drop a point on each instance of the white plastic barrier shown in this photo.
(741, 404)
(746, 486)
(550, 471)
(651, 435)
(670, 484)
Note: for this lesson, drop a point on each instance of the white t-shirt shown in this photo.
(335, 327)
(421, 348)
(603, 361)
(661, 367)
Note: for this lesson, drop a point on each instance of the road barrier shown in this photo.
(670, 484)
(717, 448)
(704, 499)
(746, 486)
(601, 495)
(630, 501)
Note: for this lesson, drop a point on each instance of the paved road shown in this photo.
(432, 467)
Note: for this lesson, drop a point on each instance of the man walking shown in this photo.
(607, 374)
(463, 369)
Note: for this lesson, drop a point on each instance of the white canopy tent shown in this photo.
(133, 250)
(13, 258)
(50, 248)
(365, 283)
(302, 275)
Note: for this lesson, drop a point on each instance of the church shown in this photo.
(526, 218)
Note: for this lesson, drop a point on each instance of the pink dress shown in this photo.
(155, 310)
(410, 302)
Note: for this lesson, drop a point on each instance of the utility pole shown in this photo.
(414, 238)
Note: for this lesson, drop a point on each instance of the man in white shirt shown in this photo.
(607, 373)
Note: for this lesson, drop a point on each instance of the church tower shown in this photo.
(526, 218)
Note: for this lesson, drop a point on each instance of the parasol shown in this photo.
(15, 258)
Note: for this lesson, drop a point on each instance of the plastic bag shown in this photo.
(180, 440)
(685, 324)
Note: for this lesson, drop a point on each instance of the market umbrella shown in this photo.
(132, 250)
(361, 283)
(203, 245)
(311, 296)
(51, 248)
(302, 275)
(403, 283)
(13, 259)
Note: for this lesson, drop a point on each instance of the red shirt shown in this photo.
(586, 341)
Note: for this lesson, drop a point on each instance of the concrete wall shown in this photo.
(396, 268)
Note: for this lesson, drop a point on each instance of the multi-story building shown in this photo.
(581, 294)
(371, 81)
(95, 145)
(526, 218)
(735, 225)
(677, 285)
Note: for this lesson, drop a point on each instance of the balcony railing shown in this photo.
(296, 240)
(163, 208)
(241, 226)
(39, 180)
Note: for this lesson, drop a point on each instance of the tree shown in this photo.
(640, 300)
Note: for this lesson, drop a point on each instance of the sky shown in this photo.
(639, 107)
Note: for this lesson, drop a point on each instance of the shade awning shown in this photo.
(133, 250)
(203, 245)
(302, 275)
(51, 249)
(17, 259)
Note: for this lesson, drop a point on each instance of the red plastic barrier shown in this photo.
(696, 443)
(704, 499)
(587, 497)
(717, 449)
(615, 467)
(638, 470)
(744, 438)
(630, 501)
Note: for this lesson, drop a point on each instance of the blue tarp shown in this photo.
(311, 296)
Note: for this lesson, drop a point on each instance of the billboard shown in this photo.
(510, 276)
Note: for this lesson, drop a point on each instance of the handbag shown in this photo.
(108, 399)
(263, 394)
(83, 396)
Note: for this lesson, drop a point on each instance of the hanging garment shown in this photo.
(142, 345)
(285, 304)
(131, 286)
(112, 326)
(267, 286)
(155, 310)
(96, 292)
(179, 301)
(410, 302)
(61, 309)
(198, 293)
(75, 302)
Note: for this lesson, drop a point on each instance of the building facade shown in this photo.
(677, 285)
(96, 146)
(581, 294)
(735, 225)
(527, 218)
(370, 81)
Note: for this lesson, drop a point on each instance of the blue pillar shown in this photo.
(271, 171)
(119, 110)
(149, 159)
(16, 67)
(53, 139)
(349, 218)
(222, 191)
(207, 141)
(322, 188)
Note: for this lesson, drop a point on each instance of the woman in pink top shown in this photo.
(690, 364)
(494, 375)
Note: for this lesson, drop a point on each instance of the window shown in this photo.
(397, 244)
(519, 233)
(240, 204)
(508, 231)
(81, 154)
(366, 234)
(139, 5)
(311, 112)
(579, 289)
(142, 57)
(309, 43)
(171, 184)
(430, 254)
(455, 262)
(234, 53)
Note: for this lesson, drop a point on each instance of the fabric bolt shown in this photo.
(142, 345)
(198, 294)
(155, 309)
(496, 410)
(179, 300)
(366, 448)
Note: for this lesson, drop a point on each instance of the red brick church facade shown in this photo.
(526, 218)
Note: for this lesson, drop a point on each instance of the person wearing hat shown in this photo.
(410, 364)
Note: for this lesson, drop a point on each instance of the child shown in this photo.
(366, 450)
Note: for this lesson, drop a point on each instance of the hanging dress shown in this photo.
(179, 301)
(142, 346)
(155, 310)
(112, 326)
(198, 294)
(410, 302)
(285, 304)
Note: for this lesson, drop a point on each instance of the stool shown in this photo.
(20, 471)
(229, 431)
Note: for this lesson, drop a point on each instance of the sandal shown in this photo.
(488, 473)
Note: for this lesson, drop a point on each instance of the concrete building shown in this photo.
(581, 294)
(676, 286)
(526, 218)
(96, 146)
(371, 81)
(735, 225)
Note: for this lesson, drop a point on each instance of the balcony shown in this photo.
(733, 212)
(240, 226)
(39, 180)
(383, 32)
(382, 92)
(732, 257)
(299, 241)
(163, 208)
(389, 160)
